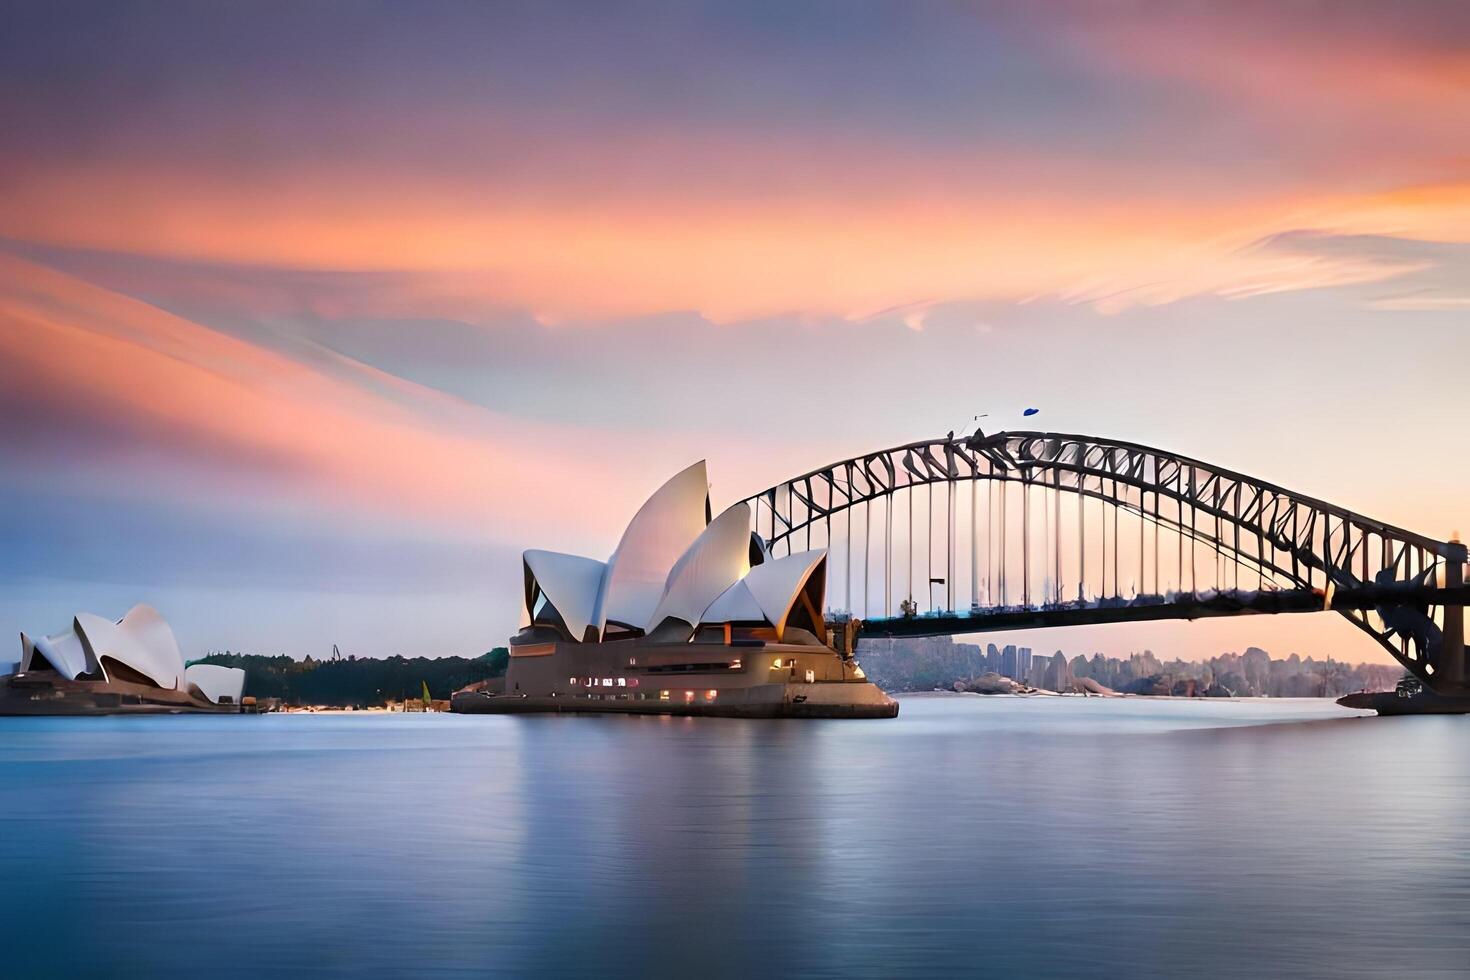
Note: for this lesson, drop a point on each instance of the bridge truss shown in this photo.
(1049, 529)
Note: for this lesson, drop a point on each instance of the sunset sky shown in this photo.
(314, 315)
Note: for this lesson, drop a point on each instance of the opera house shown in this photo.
(130, 666)
(689, 616)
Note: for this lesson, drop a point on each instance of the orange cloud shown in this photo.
(729, 260)
(212, 418)
(121, 399)
(1377, 88)
(1215, 127)
(740, 223)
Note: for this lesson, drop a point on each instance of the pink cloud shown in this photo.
(203, 415)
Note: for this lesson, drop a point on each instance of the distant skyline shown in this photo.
(312, 317)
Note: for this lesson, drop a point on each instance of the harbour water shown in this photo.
(1005, 837)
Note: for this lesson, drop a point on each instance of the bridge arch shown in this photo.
(1298, 553)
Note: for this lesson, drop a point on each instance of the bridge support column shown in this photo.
(1451, 668)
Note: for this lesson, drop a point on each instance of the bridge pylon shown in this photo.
(1452, 645)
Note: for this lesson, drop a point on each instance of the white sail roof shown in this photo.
(717, 559)
(213, 682)
(673, 566)
(570, 583)
(141, 640)
(777, 584)
(654, 540)
(735, 605)
(142, 643)
(64, 653)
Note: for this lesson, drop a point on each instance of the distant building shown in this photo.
(1008, 664)
(102, 666)
(1056, 674)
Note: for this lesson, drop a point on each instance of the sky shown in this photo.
(313, 316)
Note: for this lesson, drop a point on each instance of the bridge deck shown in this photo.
(1150, 608)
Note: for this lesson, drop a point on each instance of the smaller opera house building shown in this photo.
(127, 666)
(690, 615)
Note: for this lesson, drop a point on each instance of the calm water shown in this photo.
(1000, 837)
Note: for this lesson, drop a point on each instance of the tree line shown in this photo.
(360, 682)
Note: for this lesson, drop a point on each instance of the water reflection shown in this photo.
(1040, 838)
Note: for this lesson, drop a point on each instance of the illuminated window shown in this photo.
(663, 695)
(776, 664)
(607, 682)
(710, 694)
(632, 661)
(811, 676)
(622, 682)
(734, 665)
(574, 682)
(688, 696)
(633, 682)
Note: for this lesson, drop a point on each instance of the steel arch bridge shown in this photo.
(1057, 521)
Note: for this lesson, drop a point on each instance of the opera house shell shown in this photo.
(690, 615)
(128, 666)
